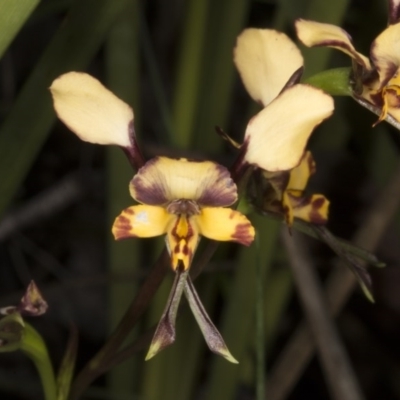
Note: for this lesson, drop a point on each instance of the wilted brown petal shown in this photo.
(32, 303)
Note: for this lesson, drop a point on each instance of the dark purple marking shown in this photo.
(242, 234)
(149, 191)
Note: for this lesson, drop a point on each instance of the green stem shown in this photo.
(35, 348)
(260, 331)
(99, 363)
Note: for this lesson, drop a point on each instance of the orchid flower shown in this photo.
(179, 198)
(183, 199)
(376, 79)
(270, 66)
(286, 195)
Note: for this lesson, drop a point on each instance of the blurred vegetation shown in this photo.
(172, 61)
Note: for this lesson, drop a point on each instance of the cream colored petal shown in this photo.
(312, 34)
(141, 221)
(91, 111)
(224, 224)
(385, 53)
(163, 179)
(276, 137)
(265, 59)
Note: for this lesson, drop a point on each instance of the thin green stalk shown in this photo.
(29, 122)
(188, 78)
(156, 81)
(13, 15)
(122, 61)
(260, 329)
(103, 359)
(279, 287)
(227, 19)
(238, 316)
(35, 348)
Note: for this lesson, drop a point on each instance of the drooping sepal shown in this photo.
(164, 335)
(211, 335)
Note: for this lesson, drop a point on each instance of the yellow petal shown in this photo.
(266, 59)
(163, 179)
(224, 224)
(393, 99)
(299, 176)
(182, 239)
(276, 137)
(312, 209)
(385, 53)
(141, 221)
(91, 111)
(312, 34)
(287, 209)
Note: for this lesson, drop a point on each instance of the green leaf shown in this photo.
(30, 120)
(11, 332)
(35, 348)
(66, 371)
(333, 81)
(13, 15)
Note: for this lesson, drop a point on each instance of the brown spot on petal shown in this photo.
(122, 226)
(318, 203)
(316, 217)
(244, 234)
(377, 99)
(393, 98)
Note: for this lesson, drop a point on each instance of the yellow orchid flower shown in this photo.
(179, 198)
(183, 199)
(270, 66)
(376, 79)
